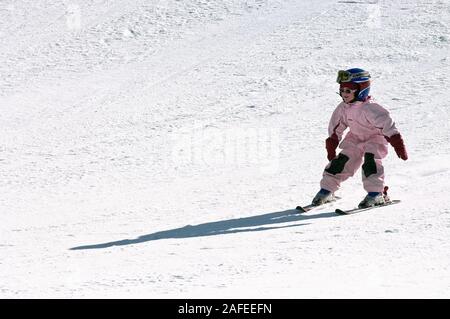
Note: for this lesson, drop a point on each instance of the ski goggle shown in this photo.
(345, 76)
(347, 90)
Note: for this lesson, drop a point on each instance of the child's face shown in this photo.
(347, 94)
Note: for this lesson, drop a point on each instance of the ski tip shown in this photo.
(340, 212)
(301, 209)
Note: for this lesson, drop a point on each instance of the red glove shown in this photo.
(331, 144)
(399, 147)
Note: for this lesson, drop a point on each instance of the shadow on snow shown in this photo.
(222, 227)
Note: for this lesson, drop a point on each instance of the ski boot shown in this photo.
(375, 199)
(322, 197)
(372, 199)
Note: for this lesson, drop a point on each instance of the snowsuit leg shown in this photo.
(342, 167)
(372, 169)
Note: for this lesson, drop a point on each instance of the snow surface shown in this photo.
(155, 149)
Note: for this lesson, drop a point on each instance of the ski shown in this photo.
(304, 209)
(358, 210)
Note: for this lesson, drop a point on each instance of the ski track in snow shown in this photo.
(154, 149)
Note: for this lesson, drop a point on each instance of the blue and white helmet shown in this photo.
(359, 77)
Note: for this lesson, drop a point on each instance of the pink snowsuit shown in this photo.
(369, 123)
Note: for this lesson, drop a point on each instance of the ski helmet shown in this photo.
(359, 77)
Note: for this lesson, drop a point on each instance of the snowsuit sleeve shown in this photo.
(337, 124)
(379, 117)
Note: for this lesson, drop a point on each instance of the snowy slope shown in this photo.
(155, 149)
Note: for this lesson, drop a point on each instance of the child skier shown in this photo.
(370, 130)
